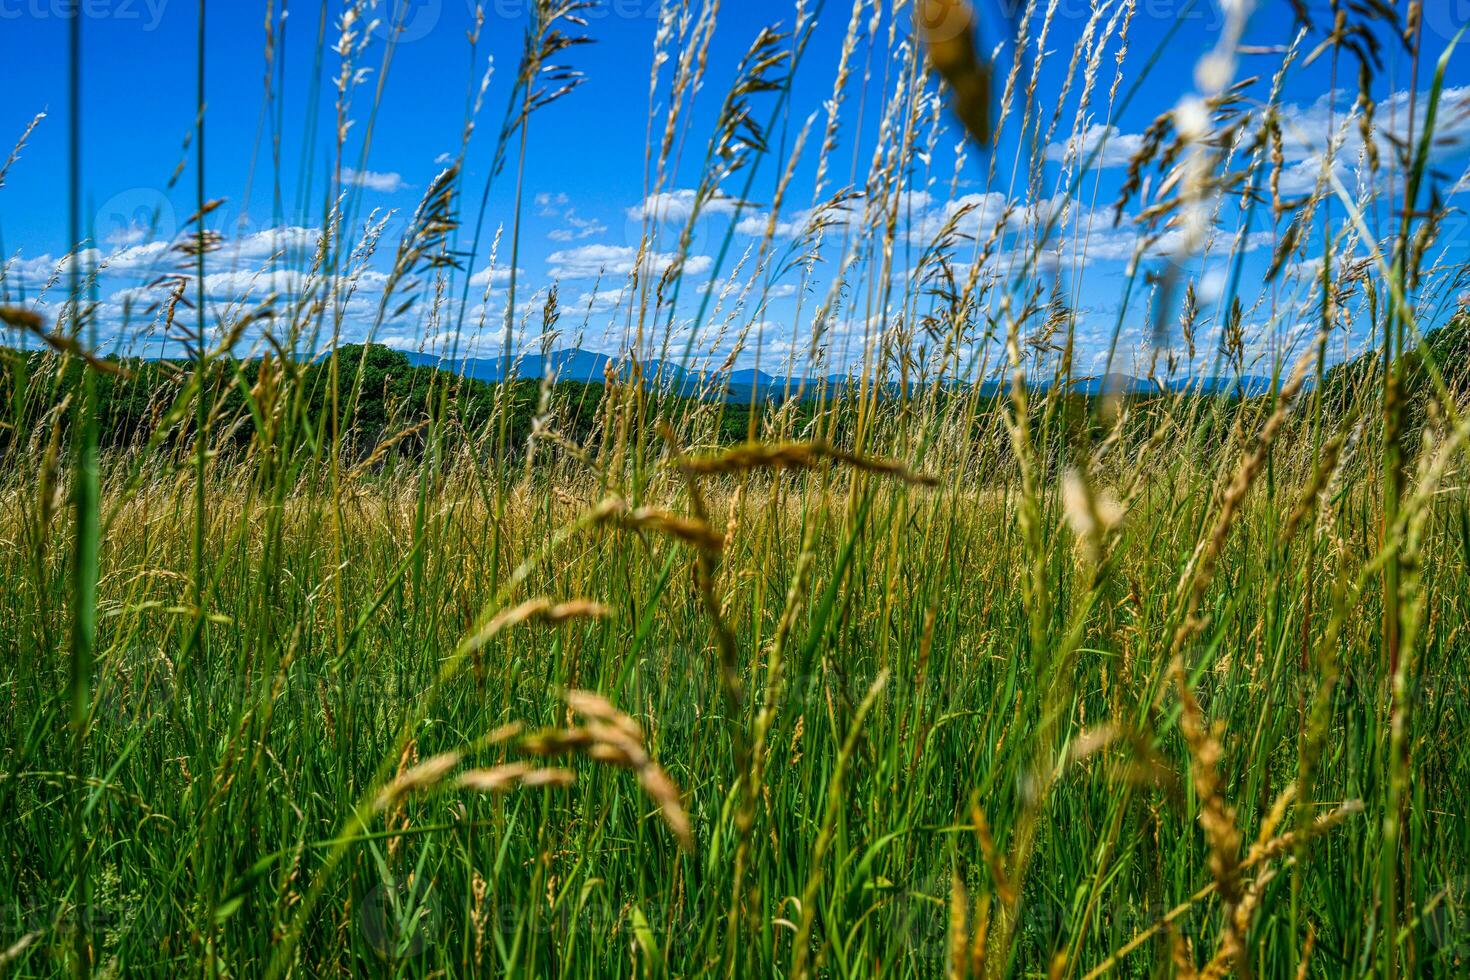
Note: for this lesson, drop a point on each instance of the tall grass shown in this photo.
(925, 676)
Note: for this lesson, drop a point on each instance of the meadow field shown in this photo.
(939, 652)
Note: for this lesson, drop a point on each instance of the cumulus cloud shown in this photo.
(973, 215)
(132, 232)
(493, 276)
(678, 205)
(242, 284)
(145, 259)
(1114, 147)
(382, 182)
(604, 300)
(282, 240)
(147, 255)
(755, 225)
(45, 268)
(576, 228)
(921, 216)
(590, 261)
(1309, 128)
(1306, 129)
(838, 215)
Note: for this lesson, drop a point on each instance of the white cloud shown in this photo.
(238, 287)
(286, 239)
(577, 228)
(590, 261)
(245, 254)
(149, 255)
(131, 233)
(921, 216)
(755, 225)
(494, 276)
(1122, 244)
(1115, 148)
(574, 227)
(384, 183)
(1306, 129)
(841, 215)
(678, 205)
(45, 268)
(242, 284)
(974, 215)
(605, 300)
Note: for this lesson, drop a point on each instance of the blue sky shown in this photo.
(585, 163)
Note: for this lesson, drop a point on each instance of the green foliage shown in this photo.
(1447, 347)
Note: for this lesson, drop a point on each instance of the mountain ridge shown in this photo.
(580, 364)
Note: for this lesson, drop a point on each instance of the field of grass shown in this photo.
(308, 671)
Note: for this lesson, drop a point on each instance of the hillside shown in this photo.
(1447, 348)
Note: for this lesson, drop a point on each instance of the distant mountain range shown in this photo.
(577, 364)
(1248, 385)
